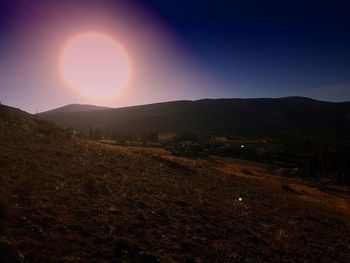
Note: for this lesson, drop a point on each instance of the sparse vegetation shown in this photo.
(247, 171)
(80, 201)
(89, 185)
(4, 203)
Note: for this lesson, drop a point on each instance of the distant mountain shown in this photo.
(281, 115)
(77, 107)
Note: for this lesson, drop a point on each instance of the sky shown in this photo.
(179, 49)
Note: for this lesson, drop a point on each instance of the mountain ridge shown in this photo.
(83, 106)
(276, 115)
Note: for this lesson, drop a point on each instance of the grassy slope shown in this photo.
(78, 201)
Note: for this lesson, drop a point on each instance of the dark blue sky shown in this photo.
(275, 48)
(252, 48)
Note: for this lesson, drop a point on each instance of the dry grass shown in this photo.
(79, 201)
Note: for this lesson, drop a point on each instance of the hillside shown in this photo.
(10, 114)
(64, 199)
(283, 115)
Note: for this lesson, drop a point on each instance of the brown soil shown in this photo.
(71, 200)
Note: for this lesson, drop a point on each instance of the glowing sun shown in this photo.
(95, 65)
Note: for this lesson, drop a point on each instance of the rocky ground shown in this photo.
(64, 199)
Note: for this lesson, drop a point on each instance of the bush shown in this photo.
(247, 171)
(89, 185)
(25, 186)
(5, 199)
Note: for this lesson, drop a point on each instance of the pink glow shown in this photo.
(161, 68)
(95, 65)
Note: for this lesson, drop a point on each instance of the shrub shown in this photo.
(24, 186)
(4, 203)
(247, 171)
(5, 199)
(89, 185)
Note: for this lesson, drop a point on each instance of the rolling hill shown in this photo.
(66, 199)
(264, 115)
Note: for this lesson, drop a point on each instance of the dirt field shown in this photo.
(70, 200)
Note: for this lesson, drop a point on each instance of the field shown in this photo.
(65, 199)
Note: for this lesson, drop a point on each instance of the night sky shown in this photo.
(181, 49)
